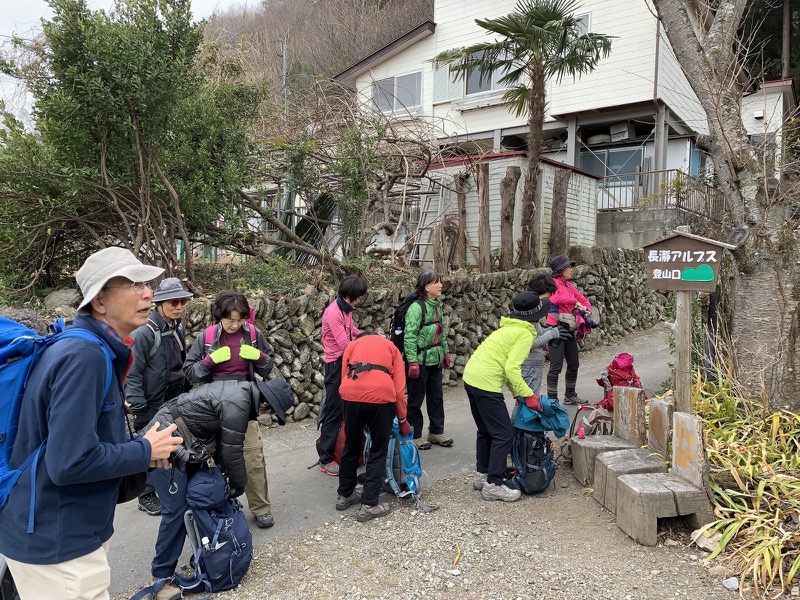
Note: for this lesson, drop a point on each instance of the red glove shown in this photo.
(532, 402)
(447, 362)
(405, 428)
(413, 370)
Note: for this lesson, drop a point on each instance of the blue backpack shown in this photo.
(532, 457)
(222, 545)
(403, 467)
(218, 532)
(20, 350)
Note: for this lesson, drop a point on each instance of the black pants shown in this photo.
(330, 419)
(558, 351)
(495, 432)
(428, 386)
(377, 418)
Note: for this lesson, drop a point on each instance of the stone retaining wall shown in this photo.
(614, 281)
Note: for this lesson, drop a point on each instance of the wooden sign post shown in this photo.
(683, 263)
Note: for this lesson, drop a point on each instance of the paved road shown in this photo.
(303, 498)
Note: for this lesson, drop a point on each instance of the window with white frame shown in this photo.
(584, 23)
(400, 93)
(618, 164)
(475, 84)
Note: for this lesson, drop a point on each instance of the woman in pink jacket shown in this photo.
(566, 300)
(338, 331)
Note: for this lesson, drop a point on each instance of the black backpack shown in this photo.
(397, 325)
(532, 456)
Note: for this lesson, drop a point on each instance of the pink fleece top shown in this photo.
(337, 331)
(564, 299)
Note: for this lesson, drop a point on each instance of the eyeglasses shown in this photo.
(178, 302)
(137, 287)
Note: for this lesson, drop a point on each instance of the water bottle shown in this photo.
(206, 544)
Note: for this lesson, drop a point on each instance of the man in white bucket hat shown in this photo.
(56, 528)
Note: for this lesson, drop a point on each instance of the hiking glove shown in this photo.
(532, 402)
(249, 352)
(405, 428)
(220, 355)
(447, 362)
(235, 492)
(413, 370)
(564, 332)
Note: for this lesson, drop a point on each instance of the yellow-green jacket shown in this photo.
(498, 360)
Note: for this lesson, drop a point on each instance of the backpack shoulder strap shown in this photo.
(152, 326)
(91, 337)
(210, 334)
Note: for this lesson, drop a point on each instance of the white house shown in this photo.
(631, 122)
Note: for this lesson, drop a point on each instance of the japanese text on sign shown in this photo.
(686, 256)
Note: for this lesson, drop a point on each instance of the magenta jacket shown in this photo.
(337, 331)
(564, 299)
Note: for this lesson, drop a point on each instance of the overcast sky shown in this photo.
(23, 17)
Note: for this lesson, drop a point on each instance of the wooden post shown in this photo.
(682, 377)
(559, 234)
(508, 195)
(461, 196)
(484, 228)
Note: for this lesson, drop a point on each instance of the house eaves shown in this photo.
(349, 75)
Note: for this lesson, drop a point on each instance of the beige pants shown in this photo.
(257, 488)
(87, 577)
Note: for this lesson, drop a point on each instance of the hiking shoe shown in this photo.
(264, 521)
(479, 481)
(170, 591)
(440, 439)
(345, 502)
(332, 468)
(492, 491)
(575, 400)
(422, 444)
(367, 513)
(150, 504)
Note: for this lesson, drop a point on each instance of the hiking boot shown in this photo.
(440, 439)
(367, 513)
(170, 591)
(422, 444)
(479, 481)
(150, 504)
(331, 468)
(575, 400)
(264, 521)
(492, 491)
(345, 502)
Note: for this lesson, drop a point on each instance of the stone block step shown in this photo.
(585, 451)
(608, 466)
(642, 499)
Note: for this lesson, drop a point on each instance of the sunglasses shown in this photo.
(178, 302)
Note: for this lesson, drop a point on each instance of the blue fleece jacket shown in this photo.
(87, 452)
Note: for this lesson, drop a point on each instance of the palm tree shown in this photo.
(539, 39)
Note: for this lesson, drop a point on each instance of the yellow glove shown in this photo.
(220, 355)
(249, 352)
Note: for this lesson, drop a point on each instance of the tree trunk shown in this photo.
(484, 227)
(461, 197)
(508, 195)
(559, 234)
(531, 194)
(765, 323)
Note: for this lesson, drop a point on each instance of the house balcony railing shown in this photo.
(660, 189)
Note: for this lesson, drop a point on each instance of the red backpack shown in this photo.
(619, 372)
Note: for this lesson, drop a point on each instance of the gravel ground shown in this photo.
(558, 545)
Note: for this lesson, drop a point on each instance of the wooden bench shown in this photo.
(609, 466)
(629, 432)
(642, 499)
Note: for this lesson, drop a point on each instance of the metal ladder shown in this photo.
(430, 207)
